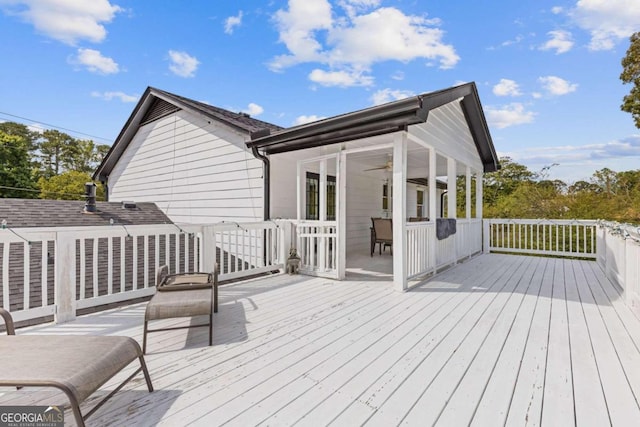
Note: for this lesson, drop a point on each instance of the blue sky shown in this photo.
(547, 71)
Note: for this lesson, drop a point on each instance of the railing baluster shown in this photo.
(44, 263)
(83, 268)
(109, 265)
(27, 275)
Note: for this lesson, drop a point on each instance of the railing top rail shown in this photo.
(542, 221)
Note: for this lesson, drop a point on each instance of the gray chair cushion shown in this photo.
(166, 305)
(80, 363)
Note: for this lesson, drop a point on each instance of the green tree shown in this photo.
(18, 129)
(83, 155)
(15, 167)
(631, 75)
(56, 151)
(68, 185)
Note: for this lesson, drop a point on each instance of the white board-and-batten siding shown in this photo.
(197, 171)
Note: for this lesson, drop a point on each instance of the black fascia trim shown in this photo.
(404, 108)
(117, 147)
(482, 139)
(196, 109)
(336, 137)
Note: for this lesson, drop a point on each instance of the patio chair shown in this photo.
(182, 295)
(76, 365)
(381, 234)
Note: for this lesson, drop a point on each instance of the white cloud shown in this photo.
(301, 120)
(557, 10)
(579, 161)
(313, 32)
(183, 64)
(507, 87)
(232, 22)
(508, 115)
(398, 75)
(608, 21)
(352, 7)
(559, 40)
(65, 20)
(557, 86)
(253, 109)
(340, 78)
(387, 95)
(108, 96)
(95, 62)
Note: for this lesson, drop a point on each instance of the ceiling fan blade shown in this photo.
(378, 168)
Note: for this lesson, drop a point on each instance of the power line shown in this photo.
(79, 196)
(54, 126)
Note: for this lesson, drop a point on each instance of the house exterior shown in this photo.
(189, 158)
(202, 164)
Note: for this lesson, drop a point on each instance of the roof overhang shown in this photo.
(383, 119)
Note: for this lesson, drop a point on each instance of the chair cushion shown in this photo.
(166, 305)
(80, 363)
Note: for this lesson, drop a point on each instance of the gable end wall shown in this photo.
(197, 171)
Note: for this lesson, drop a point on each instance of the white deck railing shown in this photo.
(426, 254)
(58, 271)
(317, 243)
(567, 238)
(618, 255)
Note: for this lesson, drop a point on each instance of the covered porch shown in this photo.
(412, 163)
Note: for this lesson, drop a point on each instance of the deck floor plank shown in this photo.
(496, 340)
(621, 401)
(496, 398)
(408, 392)
(525, 408)
(590, 404)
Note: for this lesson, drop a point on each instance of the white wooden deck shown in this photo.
(498, 340)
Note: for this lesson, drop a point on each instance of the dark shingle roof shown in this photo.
(69, 213)
(240, 121)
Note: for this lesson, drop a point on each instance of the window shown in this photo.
(313, 197)
(386, 196)
(420, 204)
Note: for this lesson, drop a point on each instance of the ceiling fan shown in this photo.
(388, 166)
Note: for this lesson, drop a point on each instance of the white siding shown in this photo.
(196, 171)
(447, 131)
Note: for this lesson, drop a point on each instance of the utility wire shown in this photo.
(79, 196)
(54, 126)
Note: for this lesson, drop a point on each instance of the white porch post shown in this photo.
(452, 200)
(468, 193)
(65, 277)
(299, 191)
(433, 208)
(479, 195)
(399, 211)
(451, 188)
(322, 215)
(341, 189)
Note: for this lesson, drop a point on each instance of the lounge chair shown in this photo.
(76, 365)
(182, 295)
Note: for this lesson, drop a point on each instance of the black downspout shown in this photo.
(105, 186)
(267, 197)
(267, 181)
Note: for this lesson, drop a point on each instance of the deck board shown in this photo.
(497, 340)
